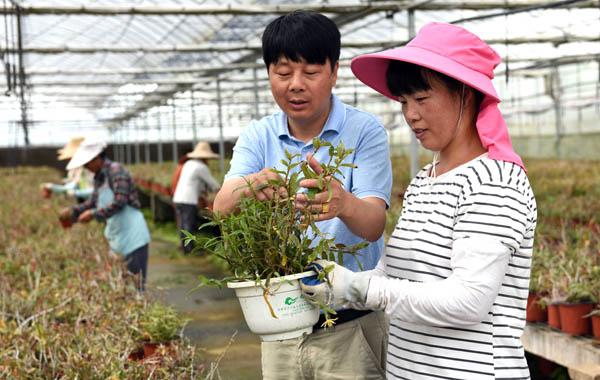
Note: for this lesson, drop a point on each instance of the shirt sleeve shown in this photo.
(489, 227)
(373, 175)
(247, 154)
(211, 184)
(80, 208)
(59, 189)
(83, 193)
(121, 186)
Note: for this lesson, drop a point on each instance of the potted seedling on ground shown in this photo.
(159, 326)
(268, 245)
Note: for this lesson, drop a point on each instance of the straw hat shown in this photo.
(68, 150)
(89, 149)
(202, 150)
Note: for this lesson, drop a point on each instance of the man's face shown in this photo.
(94, 165)
(302, 90)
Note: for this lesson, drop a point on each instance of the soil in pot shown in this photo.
(553, 316)
(151, 349)
(572, 320)
(535, 313)
(136, 355)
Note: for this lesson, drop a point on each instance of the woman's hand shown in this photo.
(85, 216)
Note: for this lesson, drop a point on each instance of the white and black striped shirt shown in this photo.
(457, 274)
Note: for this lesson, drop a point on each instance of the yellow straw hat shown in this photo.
(202, 150)
(69, 150)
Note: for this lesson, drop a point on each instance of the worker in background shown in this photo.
(79, 182)
(192, 186)
(114, 201)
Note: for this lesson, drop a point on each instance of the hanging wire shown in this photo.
(14, 60)
(506, 60)
(6, 54)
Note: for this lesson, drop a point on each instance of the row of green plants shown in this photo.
(67, 307)
(565, 274)
(163, 173)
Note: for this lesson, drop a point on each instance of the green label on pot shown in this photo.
(292, 306)
(290, 300)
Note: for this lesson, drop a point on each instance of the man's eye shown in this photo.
(283, 74)
(421, 98)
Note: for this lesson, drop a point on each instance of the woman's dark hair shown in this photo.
(301, 35)
(405, 78)
(103, 154)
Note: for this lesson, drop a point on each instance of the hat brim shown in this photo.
(202, 155)
(371, 69)
(82, 156)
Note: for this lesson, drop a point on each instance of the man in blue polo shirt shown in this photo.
(301, 51)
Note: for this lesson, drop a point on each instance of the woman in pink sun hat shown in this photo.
(454, 278)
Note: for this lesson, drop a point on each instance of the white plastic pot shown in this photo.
(294, 315)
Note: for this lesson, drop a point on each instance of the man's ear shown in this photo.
(334, 73)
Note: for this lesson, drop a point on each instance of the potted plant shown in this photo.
(158, 326)
(268, 245)
(577, 269)
(595, 314)
(540, 286)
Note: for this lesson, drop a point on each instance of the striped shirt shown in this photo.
(457, 274)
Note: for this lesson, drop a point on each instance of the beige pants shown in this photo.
(353, 350)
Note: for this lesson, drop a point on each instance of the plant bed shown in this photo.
(68, 310)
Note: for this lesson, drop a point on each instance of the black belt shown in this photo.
(342, 316)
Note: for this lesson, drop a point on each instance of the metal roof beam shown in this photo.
(246, 9)
(204, 48)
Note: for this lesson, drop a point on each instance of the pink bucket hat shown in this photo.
(457, 53)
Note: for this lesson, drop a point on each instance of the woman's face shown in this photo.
(432, 115)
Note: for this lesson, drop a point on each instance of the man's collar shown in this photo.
(334, 122)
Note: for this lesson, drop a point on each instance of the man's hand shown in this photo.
(329, 203)
(260, 188)
(85, 216)
(341, 287)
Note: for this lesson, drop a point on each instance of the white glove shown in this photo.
(343, 287)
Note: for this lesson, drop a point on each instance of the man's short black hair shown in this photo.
(301, 35)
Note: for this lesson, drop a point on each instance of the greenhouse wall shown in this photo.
(46, 155)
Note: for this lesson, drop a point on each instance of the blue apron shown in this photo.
(126, 230)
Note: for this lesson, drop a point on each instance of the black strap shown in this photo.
(343, 316)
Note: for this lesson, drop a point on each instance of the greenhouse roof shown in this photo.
(101, 64)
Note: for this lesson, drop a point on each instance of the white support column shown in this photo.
(221, 138)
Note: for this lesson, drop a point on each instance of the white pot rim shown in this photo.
(274, 280)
